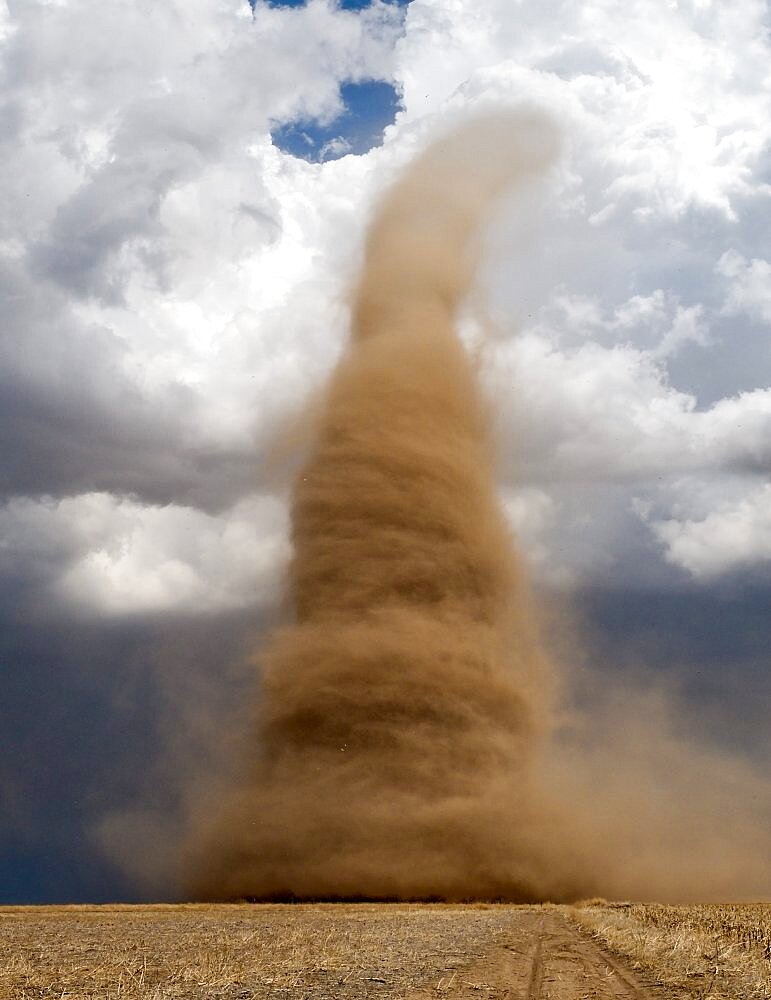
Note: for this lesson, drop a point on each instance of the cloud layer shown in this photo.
(174, 285)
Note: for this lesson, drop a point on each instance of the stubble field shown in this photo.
(388, 951)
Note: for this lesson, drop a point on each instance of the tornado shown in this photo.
(403, 703)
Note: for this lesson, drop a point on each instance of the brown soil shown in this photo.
(545, 956)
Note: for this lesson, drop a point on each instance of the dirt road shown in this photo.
(545, 957)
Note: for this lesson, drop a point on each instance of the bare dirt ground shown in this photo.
(542, 956)
(311, 952)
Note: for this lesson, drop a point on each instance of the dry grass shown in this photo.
(317, 952)
(710, 951)
(239, 952)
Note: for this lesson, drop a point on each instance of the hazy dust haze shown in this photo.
(404, 742)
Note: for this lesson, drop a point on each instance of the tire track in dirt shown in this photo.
(618, 982)
(536, 971)
(545, 957)
(574, 966)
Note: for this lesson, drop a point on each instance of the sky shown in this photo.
(185, 189)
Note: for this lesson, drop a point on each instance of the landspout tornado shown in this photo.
(401, 707)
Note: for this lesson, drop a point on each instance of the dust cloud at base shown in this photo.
(405, 742)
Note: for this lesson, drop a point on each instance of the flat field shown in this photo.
(387, 951)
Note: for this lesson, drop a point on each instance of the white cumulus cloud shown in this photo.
(749, 288)
(116, 556)
(734, 535)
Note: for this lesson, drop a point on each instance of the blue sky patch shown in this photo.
(369, 108)
(345, 4)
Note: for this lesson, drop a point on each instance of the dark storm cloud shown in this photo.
(115, 719)
(710, 644)
(88, 711)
